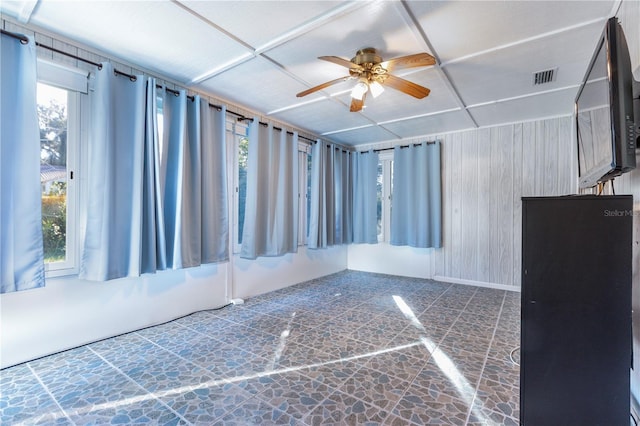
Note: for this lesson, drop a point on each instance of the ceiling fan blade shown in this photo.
(357, 104)
(410, 61)
(322, 86)
(406, 86)
(340, 61)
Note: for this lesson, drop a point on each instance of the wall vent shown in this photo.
(546, 76)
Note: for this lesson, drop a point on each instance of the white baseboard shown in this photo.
(476, 283)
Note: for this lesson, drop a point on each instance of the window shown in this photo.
(384, 189)
(58, 117)
(238, 142)
(304, 191)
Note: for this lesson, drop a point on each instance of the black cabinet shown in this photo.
(576, 310)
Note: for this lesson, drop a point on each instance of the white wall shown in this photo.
(254, 277)
(485, 172)
(69, 312)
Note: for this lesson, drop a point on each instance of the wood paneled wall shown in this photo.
(485, 174)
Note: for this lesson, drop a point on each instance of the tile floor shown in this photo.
(350, 348)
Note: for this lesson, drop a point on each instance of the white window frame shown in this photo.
(386, 159)
(75, 82)
(304, 151)
(235, 132)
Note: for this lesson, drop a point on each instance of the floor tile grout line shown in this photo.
(46, 389)
(486, 357)
(130, 379)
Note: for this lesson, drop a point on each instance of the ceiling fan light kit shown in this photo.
(372, 73)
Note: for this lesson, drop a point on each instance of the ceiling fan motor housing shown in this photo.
(369, 65)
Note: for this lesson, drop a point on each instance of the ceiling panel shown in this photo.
(142, 32)
(393, 105)
(509, 72)
(256, 83)
(323, 116)
(364, 135)
(459, 28)
(433, 124)
(258, 55)
(529, 108)
(381, 25)
(276, 18)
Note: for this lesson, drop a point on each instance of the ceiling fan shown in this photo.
(372, 73)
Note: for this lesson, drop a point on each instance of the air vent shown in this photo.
(546, 76)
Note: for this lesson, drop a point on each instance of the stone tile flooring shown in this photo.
(346, 349)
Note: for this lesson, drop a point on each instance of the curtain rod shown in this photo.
(402, 146)
(24, 40)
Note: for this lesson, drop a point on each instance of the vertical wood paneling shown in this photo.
(456, 205)
(528, 165)
(518, 162)
(485, 174)
(551, 144)
(505, 204)
(469, 205)
(484, 205)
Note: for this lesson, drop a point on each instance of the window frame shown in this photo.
(386, 160)
(74, 81)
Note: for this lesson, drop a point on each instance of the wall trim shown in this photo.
(476, 283)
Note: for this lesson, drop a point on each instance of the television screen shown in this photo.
(604, 111)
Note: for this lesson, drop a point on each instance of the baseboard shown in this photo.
(476, 283)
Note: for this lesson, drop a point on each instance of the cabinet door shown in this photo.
(576, 311)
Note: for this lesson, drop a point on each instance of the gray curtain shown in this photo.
(416, 206)
(21, 243)
(331, 197)
(153, 204)
(215, 220)
(113, 239)
(271, 212)
(365, 197)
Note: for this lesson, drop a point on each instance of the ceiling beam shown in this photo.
(412, 21)
(28, 6)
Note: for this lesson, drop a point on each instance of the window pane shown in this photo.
(52, 117)
(308, 193)
(243, 151)
(380, 196)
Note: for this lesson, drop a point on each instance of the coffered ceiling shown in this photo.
(259, 54)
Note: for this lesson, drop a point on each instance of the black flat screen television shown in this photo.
(604, 111)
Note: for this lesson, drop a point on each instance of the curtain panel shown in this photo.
(21, 241)
(113, 238)
(271, 213)
(416, 206)
(330, 219)
(365, 197)
(155, 201)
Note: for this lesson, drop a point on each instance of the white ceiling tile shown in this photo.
(156, 35)
(529, 108)
(430, 125)
(323, 116)
(380, 25)
(459, 28)
(258, 22)
(363, 136)
(509, 72)
(256, 83)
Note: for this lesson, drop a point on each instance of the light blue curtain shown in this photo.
(154, 253)
(271, 212)
(343, 191)
(330, 218)
(365, 197)
(215, 220)
(320, 221)
(416, 206)
(21, 244)
(113, 239)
